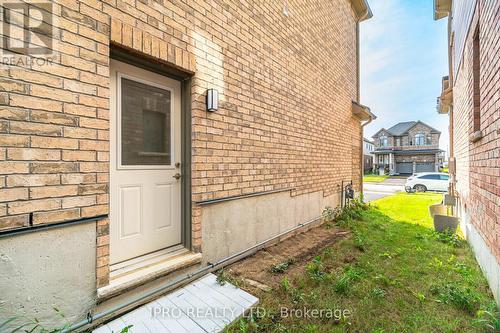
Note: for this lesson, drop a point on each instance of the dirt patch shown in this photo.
(296, 250)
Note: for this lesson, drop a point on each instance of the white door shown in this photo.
(145, 152)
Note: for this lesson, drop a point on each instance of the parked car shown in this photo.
(427, 181)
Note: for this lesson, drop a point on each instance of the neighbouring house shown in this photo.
(368, 156)
(406, 148)
(142, 140)
(470, 96)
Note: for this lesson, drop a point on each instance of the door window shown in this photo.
(146, 124)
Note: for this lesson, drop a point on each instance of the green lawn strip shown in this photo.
(370, 178)
(409, 207)
(393, 275)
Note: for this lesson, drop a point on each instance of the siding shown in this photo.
(463, 11)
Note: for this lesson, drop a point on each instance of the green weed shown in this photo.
(315, 269)
(450, 238)
(344, 283)
(488, 320)
(378, 292)
(463, 298)
(281, 267)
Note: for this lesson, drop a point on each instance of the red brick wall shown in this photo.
(478, 163)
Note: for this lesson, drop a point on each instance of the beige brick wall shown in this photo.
(286, 84)
(478, 164)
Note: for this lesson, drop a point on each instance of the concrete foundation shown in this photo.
(232, 226)
(49, 269)
(484, 257)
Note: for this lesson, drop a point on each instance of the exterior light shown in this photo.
(212, 100)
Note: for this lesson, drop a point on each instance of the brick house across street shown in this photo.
(141, 140)
(368, 156)
(470, 96)
(407, 148)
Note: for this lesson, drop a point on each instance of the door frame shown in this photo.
(153, 65)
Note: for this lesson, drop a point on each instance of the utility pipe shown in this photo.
(186, 278)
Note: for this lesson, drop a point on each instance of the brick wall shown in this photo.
(286, 84)
(405, 139)
(419, 158)
(54, 125)
(478, 163)
(420, 128)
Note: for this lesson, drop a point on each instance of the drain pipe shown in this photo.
(186, 278)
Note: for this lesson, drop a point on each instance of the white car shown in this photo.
(427, 181)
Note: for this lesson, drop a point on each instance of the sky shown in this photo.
(403, 58)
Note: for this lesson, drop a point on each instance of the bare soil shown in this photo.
(299, 249)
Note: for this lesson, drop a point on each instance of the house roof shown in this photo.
(403, 127)
(362, 112)
(367, 140)
(441, 8)
(362, 9)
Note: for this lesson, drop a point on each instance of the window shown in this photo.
(145, 124)
(444, 177)
(383, 141)
(419, 139)
(432, 177)
(398, 142)
(429, 139)
(476, 71)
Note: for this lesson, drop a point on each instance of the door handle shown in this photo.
(177, 176)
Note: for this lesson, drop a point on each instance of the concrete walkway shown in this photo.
(202, 306)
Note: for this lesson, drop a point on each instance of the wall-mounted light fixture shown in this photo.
(212, 100)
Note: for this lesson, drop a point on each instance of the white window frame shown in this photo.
(119, 164)
(382, 138)
(420, 136)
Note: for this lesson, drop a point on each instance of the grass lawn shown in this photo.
(393, 274)
(370, 178)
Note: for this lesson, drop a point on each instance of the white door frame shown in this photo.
(173, 127)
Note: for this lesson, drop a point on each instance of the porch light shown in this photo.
(212, 100)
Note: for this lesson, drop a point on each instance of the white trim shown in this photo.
(173, 130)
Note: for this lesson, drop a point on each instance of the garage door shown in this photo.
(425, 167)
(404, 168)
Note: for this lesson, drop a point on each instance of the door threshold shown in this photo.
(138, 271)
(128, 266)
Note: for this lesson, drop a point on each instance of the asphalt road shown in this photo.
(374, 191)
